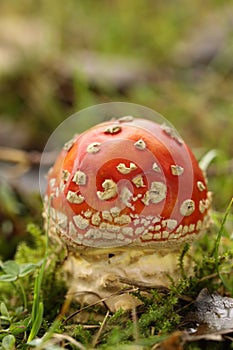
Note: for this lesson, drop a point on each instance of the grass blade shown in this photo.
(217, 245)
(37, 322)
(207, 159)
(38, 306)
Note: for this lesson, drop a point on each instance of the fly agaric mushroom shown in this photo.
(124, 196)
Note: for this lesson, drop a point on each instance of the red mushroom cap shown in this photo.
(127, 182)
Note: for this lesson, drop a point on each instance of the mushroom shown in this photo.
(124, 197)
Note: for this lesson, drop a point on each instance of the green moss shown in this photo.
(80, 334)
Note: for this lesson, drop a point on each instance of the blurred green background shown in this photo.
(57, 57)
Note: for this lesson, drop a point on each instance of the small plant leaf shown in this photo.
(36, 342)
(4, 311)
(26, 269)
(17, 328)
(10, 267)
(8, 278)
(8, 342)
(40, 341)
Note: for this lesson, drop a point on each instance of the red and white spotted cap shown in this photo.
(127, 182)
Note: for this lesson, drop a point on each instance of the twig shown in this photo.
(100, 301)
(135, 324)
(14, 155)
(148, 286)
(144, 286)
(69, 339)
(90, 326)
(96, 337)
(215, 274)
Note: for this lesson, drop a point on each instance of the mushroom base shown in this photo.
(94, 275)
